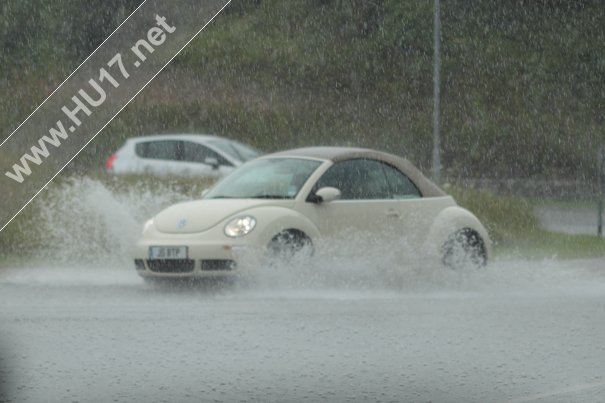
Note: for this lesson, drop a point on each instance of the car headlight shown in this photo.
(147, 225)
(240, 226)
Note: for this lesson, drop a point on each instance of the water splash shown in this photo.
(84, 221)
(91, 223)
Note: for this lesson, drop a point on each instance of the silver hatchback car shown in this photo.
(180, 154)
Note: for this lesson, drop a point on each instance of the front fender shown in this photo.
(451, 220)
(272, 220)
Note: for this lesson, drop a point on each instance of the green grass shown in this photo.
(543, 244)
(580, 204)
(284, 73)
(19, 239)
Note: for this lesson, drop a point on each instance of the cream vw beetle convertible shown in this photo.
(296, 201)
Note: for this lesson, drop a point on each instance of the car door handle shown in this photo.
(393, 214)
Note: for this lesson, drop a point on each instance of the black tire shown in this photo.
(464, 249)
(289, 245)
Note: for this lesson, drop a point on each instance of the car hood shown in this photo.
(200, 215)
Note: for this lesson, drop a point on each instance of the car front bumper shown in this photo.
(205, 258)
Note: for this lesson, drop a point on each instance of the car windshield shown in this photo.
(235, 150)
(269, 178)
(247, 152)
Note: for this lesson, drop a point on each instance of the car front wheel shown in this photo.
(289, 245)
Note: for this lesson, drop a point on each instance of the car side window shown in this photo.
(193, 152)
(159, 150)
(400, 186)
(359, 179)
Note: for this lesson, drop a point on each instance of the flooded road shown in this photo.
(517, 332)
(568, 220)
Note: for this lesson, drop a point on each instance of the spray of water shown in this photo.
(89, 228)
(86, 222)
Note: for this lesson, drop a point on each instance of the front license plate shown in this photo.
(168, 252)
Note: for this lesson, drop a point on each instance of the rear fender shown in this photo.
(449, 221)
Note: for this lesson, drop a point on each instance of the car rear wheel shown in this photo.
(464, 249)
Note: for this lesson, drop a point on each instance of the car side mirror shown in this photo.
(212, 161)
(204, 192)
(327, 194)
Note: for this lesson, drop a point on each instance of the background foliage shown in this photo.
(522, 90)
(522, 80)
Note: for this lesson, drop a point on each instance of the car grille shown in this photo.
(171, 266)
(214, 265)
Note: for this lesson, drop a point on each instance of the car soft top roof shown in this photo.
(425, 185)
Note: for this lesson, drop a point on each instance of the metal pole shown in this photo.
(600, 225)
(601, 179)
(436, 83)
